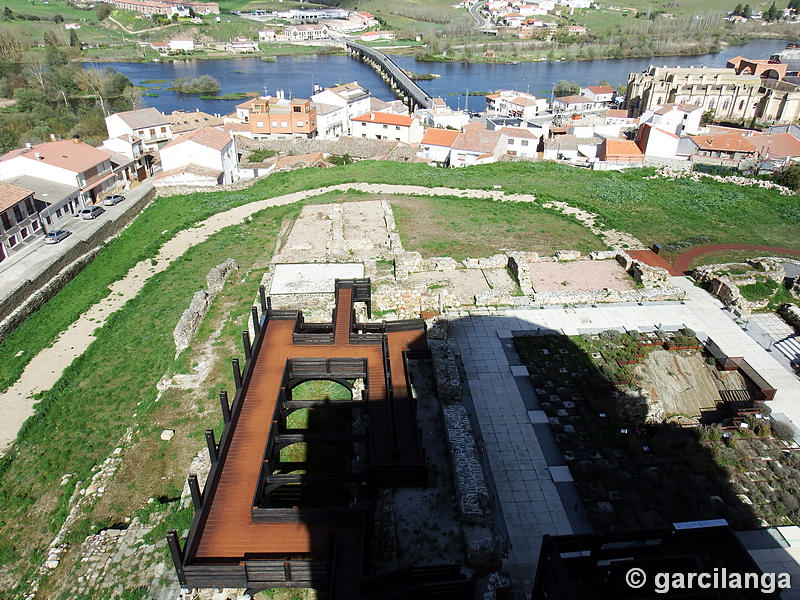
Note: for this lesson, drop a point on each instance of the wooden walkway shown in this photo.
(229, 532)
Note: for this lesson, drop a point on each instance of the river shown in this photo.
(297, 74)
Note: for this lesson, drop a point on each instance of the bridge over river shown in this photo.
(413, 95)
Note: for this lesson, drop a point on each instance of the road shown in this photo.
(29, 262)
(474, 10)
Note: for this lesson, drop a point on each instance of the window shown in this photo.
(274, 123)
(284, 125)
(741, 104)
(23, 232)
(58, 213)
(299, 123)
(48, 220)
(163, 130)
(363, 135)
(397, 139)
(18, 214)
(6, 222)
(259, 124)
(29, 206)
(363, 124)
(12, 241)
(524, 142)
(297, 109)
(510, 142)
(152, 132)
(397, 128)
(35, 225)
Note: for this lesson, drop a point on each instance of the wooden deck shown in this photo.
(229, 533)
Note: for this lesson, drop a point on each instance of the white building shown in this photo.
(441, 115)
(148, 124)
(599, 93)
(302, 33)
(654, 141)
(436, 145)
(241, 46)
(354, 99)
(619, 116)
(207, 148)
(476, 146)
(69, 162)
(331, 121)
(511, 103)
(181, 45)
(372, 36)
(576, 3)
(387, 126)
(680, 119)
(520, 142)
(574, 104)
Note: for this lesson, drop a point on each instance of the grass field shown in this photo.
(462, 227)
(79, 422)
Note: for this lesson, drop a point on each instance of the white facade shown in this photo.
(439, 154)
(598, 93)
(443, 116)
(656, 142)
(383, 126)
(300, 33)
(148, 124)
(680, 119)
(354, 99)
(574, 104)
(190, 152)
(127, 146)
(180, 44)
(332, 121)
(520, 142)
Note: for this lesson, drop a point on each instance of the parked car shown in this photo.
(92, 212)
(57, 235)
(113, 200)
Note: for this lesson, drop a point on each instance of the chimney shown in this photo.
(28, 145)
(52, 137)
(76, 139)
(37, 155)
(371, 116)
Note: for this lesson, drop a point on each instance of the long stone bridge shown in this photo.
(413, 95)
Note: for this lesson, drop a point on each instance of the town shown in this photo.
(339, 347)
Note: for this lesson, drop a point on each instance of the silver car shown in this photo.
(57, 235)
(91, 212)
(113, 200)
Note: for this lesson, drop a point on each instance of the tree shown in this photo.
(35, 64)
(103, 11)
(564, 87)
(789, 177)
(747, 12)
(738, 10)
(74, 42)
(707, 117)
(58, 19)
(7, 14)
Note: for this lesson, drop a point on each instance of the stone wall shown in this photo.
(201, 301)
(448, 379)
(721, 283)
(31, 294)
(472, 493)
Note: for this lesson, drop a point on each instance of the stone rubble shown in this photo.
(668, 173)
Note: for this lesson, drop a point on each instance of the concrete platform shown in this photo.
(311, 278)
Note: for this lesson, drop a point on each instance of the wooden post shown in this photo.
(197, 495)
(269, 302)
(177, 555)
(226, 407)
(213, 450)
(256, 326)
(248, 349)
(262, 293)
(287, 571)
(237, 374)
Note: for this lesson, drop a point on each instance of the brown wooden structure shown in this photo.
(260, 523)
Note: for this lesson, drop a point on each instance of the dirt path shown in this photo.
(681, 263)
(16, 404)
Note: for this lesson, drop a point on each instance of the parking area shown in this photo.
(36, 257)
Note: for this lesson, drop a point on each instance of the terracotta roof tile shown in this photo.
(778, 145)
(728, 142)
(141, 118)
(439, 137)
(385, 119)
(72, 155)
(206, 136)
(11, 195)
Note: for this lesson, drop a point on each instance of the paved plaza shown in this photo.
(526, 480)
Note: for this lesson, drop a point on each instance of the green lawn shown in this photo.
(461, 227)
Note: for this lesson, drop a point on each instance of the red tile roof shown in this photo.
(439, 137)
(72, 155)
(617, 113)
(574, 99)
(205, 136)
(727, 142)
(518, 132)
(385, 119)
(477, 140)
(601, 89)
(778, 145)
(11, 195)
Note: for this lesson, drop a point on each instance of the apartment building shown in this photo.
(354, 99)
(387, 126)
(282, 117)
(148, 124)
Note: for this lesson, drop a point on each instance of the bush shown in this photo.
(782, 431)
(789, 177)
